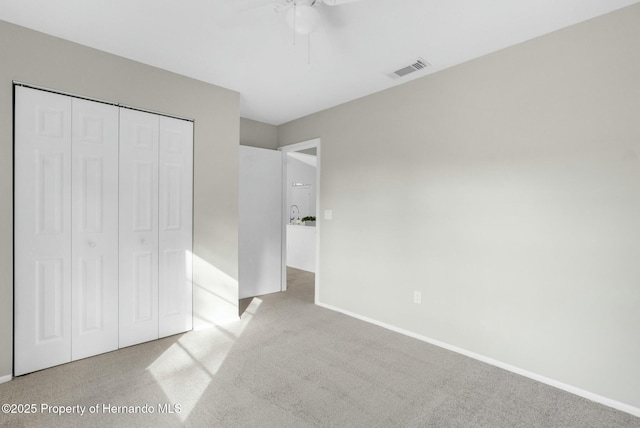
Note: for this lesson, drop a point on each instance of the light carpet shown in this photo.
(289, 363)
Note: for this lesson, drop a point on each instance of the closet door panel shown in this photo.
(175, 220)
(138, 250)
(42, 227)
(95, 228)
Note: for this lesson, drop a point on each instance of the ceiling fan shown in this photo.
(302, 15)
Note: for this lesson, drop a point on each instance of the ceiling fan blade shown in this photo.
(332, 18)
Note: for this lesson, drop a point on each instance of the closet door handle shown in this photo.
(92, 244)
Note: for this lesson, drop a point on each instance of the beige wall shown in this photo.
(50, 62)
(258, 134)
(507, 191)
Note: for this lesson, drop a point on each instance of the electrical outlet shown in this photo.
(417, 297)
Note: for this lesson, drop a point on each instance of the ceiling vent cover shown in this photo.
(419, 64)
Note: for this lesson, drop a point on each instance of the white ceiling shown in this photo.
(245, 46)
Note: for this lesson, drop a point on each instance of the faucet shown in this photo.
(293, 214)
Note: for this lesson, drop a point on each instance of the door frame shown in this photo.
(303, 145)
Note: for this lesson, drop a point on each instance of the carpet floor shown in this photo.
(289, 363)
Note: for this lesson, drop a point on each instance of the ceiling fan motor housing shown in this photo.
(303, 18)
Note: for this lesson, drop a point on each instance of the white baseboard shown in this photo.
(560, 385)
(6, 378)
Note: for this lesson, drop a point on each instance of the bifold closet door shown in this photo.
(138, 253)
(175, 224)
(94, 239)
(66, 196)
(156, 176)
(102, 228)
(42, 230)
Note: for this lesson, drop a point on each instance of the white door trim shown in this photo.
(18, 83)
(303, 145)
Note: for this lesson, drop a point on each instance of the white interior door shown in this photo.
(138, 250)
(94, 240)
(175, 222)
(42, 222)
(260, 226)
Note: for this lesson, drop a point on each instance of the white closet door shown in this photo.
(175, 220)
(42, 222)
(138, 227)
(94, 237)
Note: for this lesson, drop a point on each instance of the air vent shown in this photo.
(419, 64)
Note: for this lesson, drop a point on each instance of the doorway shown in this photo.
(265, 213)
(301, 201)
